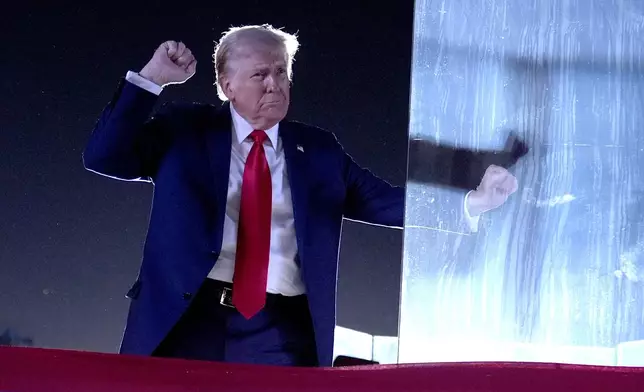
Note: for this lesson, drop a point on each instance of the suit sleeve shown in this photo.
(370, 199)
(126, 143)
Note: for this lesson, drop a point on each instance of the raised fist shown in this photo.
(172, 63)
(495, 188)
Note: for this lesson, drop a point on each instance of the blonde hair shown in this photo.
(264, 34)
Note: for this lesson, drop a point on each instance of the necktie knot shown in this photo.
(258, 136)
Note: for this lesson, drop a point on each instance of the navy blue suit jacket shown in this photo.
(184, 150)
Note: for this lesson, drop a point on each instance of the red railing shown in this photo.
(30, 369)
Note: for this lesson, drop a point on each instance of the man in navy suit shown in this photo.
(240, 260)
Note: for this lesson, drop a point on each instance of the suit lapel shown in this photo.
(219, 140)
(296, 166)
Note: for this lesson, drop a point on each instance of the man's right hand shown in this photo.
(172, 63)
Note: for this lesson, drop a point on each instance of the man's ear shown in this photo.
(226, 87)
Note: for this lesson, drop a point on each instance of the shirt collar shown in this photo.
(243, 129)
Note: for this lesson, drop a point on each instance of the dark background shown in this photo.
(71, 241)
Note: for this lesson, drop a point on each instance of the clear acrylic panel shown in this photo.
(557, 273)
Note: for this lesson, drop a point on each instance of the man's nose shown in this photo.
(270, 82)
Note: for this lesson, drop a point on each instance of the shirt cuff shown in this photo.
(471, 221)
(142, 82)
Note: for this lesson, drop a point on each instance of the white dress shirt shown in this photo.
(283, 273)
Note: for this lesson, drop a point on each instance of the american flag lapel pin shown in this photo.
(300, 148)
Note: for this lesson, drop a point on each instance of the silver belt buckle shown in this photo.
(226, 298)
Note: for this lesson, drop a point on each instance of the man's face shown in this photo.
(256, 83)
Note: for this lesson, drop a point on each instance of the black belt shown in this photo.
(223, 292)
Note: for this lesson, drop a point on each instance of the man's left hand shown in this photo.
(495, 188)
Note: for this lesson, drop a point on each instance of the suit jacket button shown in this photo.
(187, 296)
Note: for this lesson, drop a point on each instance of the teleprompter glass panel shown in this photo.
(557, 273)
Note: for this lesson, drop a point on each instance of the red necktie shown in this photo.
(254, 231)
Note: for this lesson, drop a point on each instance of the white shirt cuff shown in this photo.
(142, 82)
(471, 221)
